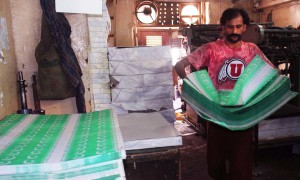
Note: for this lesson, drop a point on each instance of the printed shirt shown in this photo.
(225, 64)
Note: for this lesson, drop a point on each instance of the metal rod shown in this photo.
(22, 91)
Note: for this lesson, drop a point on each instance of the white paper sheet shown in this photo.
(147, 130)
(79, 6)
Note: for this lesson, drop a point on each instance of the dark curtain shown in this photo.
(60, 31)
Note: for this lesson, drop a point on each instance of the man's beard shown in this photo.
(230, 37)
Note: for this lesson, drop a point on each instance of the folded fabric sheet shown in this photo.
(105, 170)
(255, 76)
(76, 146)
(257, 94)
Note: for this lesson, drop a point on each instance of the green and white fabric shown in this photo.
(258, 93)
(257, 74)
(77, 146)
(202, 82)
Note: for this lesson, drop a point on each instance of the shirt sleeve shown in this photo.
(200, 57)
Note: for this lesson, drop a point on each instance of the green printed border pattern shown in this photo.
(33, 145)
(102, 137)
(94, 136)
(257, 74)
(203, 83)
(10, 122)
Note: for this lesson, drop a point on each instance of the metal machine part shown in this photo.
(36, 99)
(22, 91)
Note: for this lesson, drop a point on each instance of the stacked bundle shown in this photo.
(257, 94)
(142, 78)
(79, 146)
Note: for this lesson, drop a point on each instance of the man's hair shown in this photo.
(232, 13)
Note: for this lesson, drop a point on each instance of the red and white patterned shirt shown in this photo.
(225, 64)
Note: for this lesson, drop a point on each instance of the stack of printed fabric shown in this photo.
(77, 146)
(258, 93)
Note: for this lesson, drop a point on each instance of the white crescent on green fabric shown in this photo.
(55, 146)
(258, 93)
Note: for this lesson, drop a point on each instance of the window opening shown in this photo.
(153, 40)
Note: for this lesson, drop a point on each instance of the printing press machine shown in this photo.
(282, 46)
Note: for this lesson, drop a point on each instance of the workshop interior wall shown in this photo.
(26, 34)
(283, 15)
(124, 23)
(89, 42)
(217, 7)
(8, 69)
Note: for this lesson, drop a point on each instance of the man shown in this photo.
(229, 153)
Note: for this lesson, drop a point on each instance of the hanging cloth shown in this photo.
(52, 83)
(60, 31)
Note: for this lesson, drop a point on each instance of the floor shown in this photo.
(272, 163)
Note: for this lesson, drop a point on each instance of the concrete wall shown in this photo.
(8, 68)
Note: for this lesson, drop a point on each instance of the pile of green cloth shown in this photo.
(72, 146)
(258, 93)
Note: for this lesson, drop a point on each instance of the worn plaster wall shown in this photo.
(89, 41)
(26, 32)
(216, 7)
(284, 15)
(8, 69)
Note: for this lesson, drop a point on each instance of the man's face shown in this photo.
(233, 29)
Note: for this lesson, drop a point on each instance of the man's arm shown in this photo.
(180, 67)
